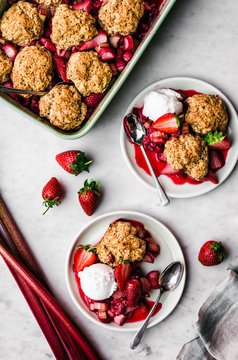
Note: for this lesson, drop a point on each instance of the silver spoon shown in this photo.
(169, 279)
(136, 132)
(9, 90)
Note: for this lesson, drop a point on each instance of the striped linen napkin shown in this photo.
(217, 324)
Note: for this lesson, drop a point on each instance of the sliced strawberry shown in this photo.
(216, 160)
(152, 245)
(149, 257)
(153, 277)
(93, 100)
(99, 39)
(168, 170)
(83, 257)
(168, 123)
(83, 5)
(122, 273)
(217, 141)
(161, 157)
(133, 292)
(211, 177)
(145, 284)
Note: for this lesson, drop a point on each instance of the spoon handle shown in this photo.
(138, 336)
(8, 90)
(164, 200)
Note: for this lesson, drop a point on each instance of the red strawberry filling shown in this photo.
(169, 126)
(116, 50)
(129, 303)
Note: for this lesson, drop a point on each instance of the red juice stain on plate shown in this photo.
(139, 315)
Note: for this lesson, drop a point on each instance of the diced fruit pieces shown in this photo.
(152, 245)
(145, 285)
(83, 5)
(216, 160)
(149, 257)
(84, 257)
(120, 64)
(99, 39)
(48, 44)
(211, 177)
(128, 43)
(61, 66)
(119, 319)
(153, 277)
(106, 54)
(10, 50)
(122, 273)
(133, 292)
(114, 40)
(127, 56)
(93, 100)
(100, 306)
(168, 123)
(168, 170)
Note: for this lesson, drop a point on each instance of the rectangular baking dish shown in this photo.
(165, 7)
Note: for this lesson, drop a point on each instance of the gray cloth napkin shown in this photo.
(217, 324)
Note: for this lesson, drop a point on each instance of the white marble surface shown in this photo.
(199, 39)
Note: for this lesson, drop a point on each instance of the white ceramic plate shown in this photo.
(170, 251)
(186, 190)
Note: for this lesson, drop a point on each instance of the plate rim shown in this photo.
(123, 140)
(68, 270)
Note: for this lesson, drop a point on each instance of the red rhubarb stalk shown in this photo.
(48, 299)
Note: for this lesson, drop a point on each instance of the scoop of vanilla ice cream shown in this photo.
(161, 102)
(98, 281)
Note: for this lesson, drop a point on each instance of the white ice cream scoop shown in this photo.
(98, 281)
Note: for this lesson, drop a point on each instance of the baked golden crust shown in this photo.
(32, 69)
(88, 72)
(71, 27)
(21, 24)
(120, 16)
(49, 3)
(120, 242)
(5, 67)
(206, 113)
(63, 107)
(188, 153)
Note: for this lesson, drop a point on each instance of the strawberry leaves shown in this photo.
(49, 203)
(88, 248)
(93, 186)
(80, 164)
(212, 138)
(219, 249)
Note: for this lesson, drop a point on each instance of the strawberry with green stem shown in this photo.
(84, 256)
(52, 194)
(217, 141)
(73, 161)
(168, 123)
(89, 196)
(212, 253)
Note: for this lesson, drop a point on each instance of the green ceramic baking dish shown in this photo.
(164, 10)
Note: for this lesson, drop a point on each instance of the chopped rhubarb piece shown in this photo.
(119, 53)
(114, 40)
(153, 277)
(120, 65)
(168, 170)
(111, 313)
(84, 5)
(119, 319)
(91, 307)
(106, 54)
(185, 128)
(64, 54)
(35, 104)
(216, 160)
(10, 50)
(101, 46)
(127, 56)
(149, 257)
(145, 285)
(48, 44)
(100, 306)
(43, 12)
(99, 39)
(114, 69)
(161, 157)
(136, 45)
(158, 137)
(128, 43)
(61, 66)
(93, 100)
(102, 314)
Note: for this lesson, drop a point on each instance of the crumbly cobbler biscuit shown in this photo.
(32, 69)
(63, 107)
(88, 72)
(49, 3)
(120, 242)
(206, 113)
(120, 16)
(71, 27)
(5, 67)
(188, 153)
(21, 24)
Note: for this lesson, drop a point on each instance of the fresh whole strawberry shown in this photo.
(217, 141)
(52, 194)
(168, 123)
(73, 161)
(212, 253)
(122, 273)
(133, 292)
(89, 196)
(83, 257)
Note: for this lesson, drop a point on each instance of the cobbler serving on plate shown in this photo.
(186, 137)
(86, 43)
(109, 278)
